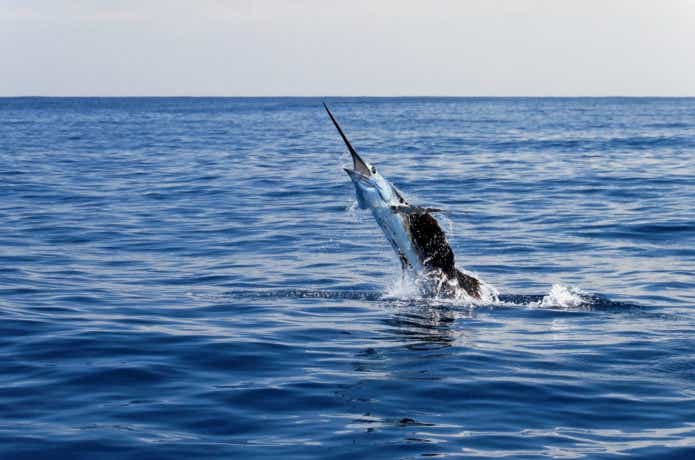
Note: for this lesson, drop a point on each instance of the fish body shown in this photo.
(413, 232)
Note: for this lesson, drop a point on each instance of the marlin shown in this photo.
(412, 231)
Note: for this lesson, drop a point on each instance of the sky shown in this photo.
(347, 48)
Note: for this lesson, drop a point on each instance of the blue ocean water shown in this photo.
(190, 278)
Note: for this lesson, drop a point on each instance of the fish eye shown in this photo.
(373, 170)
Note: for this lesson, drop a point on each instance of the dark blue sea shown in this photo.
(190, 278)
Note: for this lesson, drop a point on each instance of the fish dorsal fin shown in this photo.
(410, 209)
(430, 241)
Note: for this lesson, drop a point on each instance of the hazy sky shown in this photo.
(349, 47)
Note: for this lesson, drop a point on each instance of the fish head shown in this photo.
(371, 188)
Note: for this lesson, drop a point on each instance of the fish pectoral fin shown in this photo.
(410, 209)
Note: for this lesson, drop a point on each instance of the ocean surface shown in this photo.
(186, 278)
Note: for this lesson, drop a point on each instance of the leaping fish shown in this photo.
(412, 231)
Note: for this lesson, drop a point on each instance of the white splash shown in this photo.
(402, 287)
(562, 296)
(406, 287)
(488, 293)
(352, 209)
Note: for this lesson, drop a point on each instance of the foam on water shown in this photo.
(564, 297)
(560, 296)
(401, 287)
(405, 287)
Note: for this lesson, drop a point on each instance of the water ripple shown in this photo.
(189, 278)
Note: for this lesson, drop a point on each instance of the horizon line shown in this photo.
(617, 96)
